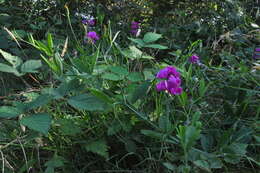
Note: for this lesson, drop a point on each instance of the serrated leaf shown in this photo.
(9, 112)
(151, 37)
(30, 66)
(99, 147)
(14, 60)
(39, 122)
(88, 102)
(156, 46)
(39, 101)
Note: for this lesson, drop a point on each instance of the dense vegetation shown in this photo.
(129, 86)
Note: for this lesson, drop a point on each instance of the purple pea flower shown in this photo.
(194, 59)
(92, 36)
(256, 53)
(90, 22)
(172, 81)
(135, 28)
(166, 72)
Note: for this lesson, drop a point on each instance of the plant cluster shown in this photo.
(88, 89)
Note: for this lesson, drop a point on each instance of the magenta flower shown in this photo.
(92, 36)
(194, 59)
(257, 49)
(166, 72)
(135, 27)
(172, 81)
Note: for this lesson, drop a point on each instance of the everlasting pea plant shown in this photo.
(92, 36)
(172, 82)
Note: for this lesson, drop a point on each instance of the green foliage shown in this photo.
(93, 106)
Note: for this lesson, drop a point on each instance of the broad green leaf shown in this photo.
(9, 112)
(14, 60)
(68, 127)
(135, 77)
(9, 69)
(130, 146)
(122, 71)
(55, 162)
(156, 46)
(112, 76)
(87, 102)
(169, 166)
(139, 41)
(206, 142)
(39, 122)
(101, 95)
(140, 92)
(99, 147)
(152, 134)
(202, 164)
(39, 101)
(151, 37)
(30, 66)
(165, 124)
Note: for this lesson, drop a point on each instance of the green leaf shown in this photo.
(88, 102)
(153, 134)
(165, 124)
(30, 66)
(68, 127)
(169, 166)
(39, 122)
(202, 164)
(139, 92)
(55, 162)
(112, 76)
(14, 60)
(39, 101)
(101, 95)
(122, 71)
(9, 112)
(139, 41)
(156, 46)
(135, 77)
(99, 147)
(151, 37)
(9, 69)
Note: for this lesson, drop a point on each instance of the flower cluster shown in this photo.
(135, 27)
(194, 59)
(89, 22)
(257, 53)
(172, 81)
(92, 36)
